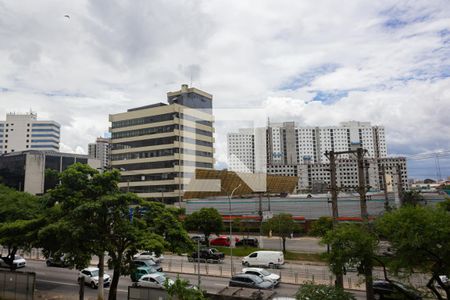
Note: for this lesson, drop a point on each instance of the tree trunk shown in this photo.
(284, 244)
(369, 279)
(339, 283)
(114, 283)
(9, 259)
(101, 272)
(430, 285)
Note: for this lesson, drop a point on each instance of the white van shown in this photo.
(271, 259)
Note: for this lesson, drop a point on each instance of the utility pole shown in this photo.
(331, 155)
(386, 198)
(362, 189)
(260, 213)
(400, 184)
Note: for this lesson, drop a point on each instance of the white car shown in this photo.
(264, 274)
(18, 262)
(149, 255)
(155, 280)
(91, 277)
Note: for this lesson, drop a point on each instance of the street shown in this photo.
(54, 281)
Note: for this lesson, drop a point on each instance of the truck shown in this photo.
(209, 255)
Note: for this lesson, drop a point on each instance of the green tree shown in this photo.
(445, 205)
(412, 198)
(312, 291)
(164, 221)
(20, 220)
(181, 289)
(352, 246)
(420, 239)
(281, 225)
(90, 216)
(320, 227)
(207, 220)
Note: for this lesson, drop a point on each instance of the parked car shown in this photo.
(271, 259)
(138, 272)
(91, 277)
(56, 262)
(149, 255)
(146, 263)
(207, 255)
(220, 241)
(383, 289)
(264, 274)
(18, 262)
(155, 280)
(247, 242)
(251, 281)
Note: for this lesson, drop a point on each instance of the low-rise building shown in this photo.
(31, 171)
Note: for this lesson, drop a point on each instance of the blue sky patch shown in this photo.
(305, 79)
(330, 96)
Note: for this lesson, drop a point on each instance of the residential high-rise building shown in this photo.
(159, 146)
(293, 150)
(101, 150)
(24, 132)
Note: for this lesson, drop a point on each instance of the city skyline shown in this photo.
(377, 62)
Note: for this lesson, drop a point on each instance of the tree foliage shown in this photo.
(312, 291)
(281, 225)
(181, 289)
(352, 247)
(90, 216)
(412, 198)
(420, 239)
(321, 226)
(207, 220)
(20, 220)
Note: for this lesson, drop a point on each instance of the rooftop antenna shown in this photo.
(191, 79)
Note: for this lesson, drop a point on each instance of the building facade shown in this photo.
(101, 150)
(300, 151)
(22, 132)
(158, 147)
(28, 171)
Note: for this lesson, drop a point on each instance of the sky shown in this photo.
(314, 62)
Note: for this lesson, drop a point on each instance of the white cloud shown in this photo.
(390, 59)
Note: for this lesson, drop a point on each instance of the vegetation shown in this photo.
(207, 221)
(420, 239)
(412, 198)
(20, 219)
(312, 291)
(90, 216)
(281, 225)
(182, 290)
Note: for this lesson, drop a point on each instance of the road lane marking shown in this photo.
(71, 284)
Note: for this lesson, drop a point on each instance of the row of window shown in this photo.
(44, 146)
(157, 142)
(162, 165)
(159, 118)
(44, 125)
(152, 189)
(159, 176)
(44, 135)
(45, 130)
(44, 141)
(156, 130)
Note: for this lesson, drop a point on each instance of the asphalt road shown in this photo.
(52, 281)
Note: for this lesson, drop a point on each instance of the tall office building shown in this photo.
(25, 132)
(159, 146)
(101, 150)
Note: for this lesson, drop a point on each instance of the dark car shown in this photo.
(251, 281)
(383, 289)
(56, 262)
(247, 242)
(207, 255)
(146, 263)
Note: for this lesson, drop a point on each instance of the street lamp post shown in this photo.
(231, 227)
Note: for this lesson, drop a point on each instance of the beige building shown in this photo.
(158, 147)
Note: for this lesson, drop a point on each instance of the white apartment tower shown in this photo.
(291, 150)
(22, 132)
(101, 150)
